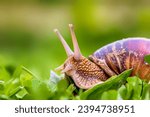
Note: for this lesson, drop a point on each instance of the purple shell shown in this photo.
(130, 52)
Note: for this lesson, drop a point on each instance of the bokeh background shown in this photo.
(27, 37)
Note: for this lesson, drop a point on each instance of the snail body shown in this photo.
(105, 62)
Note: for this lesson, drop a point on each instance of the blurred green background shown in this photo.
(27, 37)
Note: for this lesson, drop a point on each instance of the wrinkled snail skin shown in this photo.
(107, 61)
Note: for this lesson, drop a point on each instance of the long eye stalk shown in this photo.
(77, 53)
(69, 52)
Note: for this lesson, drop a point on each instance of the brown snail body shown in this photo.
(107, 61)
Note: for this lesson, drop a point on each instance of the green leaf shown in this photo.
(27, 71)
(17, 72)
(132, 89)
(21, 78)
(67, 93)
(63, 90)
(122, 92)
(109, 95)
(62, 85)
(147, 58)
(23, 92)
(113, 83)
(26, 78)
(70, 89)
(4, 97)
(39, 90)
(12, 86)
(14, 91)
(146, 92)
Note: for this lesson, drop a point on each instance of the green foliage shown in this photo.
(146, 92)
(20, 83)
(109, 95)
(147, 58)
(132, 89)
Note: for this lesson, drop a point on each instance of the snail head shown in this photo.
(84, 72)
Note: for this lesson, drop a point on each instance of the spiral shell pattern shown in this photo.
(127, 54)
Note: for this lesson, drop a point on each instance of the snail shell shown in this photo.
(126, 54)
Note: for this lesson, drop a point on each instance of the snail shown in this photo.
(105, 62)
